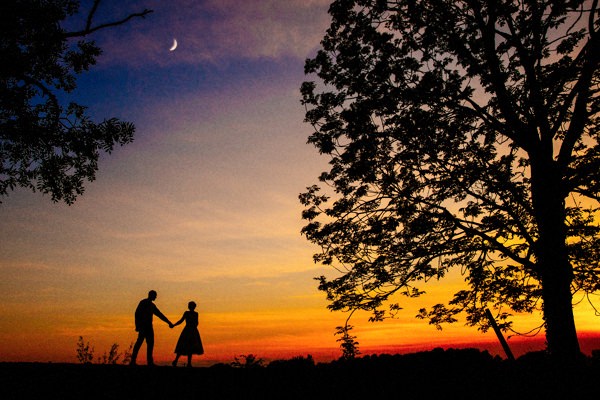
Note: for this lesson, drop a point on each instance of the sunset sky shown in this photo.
(202, 206)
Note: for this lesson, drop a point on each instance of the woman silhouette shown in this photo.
(189, 342)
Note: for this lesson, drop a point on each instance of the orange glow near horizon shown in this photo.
(269, 334)
(271, 341)
(266, 305)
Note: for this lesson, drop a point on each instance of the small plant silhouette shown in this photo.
(85, 353)
(112, 357)
(348, 342)
(127, 354)
(247, 361)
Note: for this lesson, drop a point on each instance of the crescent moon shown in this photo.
(174, 45)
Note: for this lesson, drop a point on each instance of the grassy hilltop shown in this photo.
(444, 374)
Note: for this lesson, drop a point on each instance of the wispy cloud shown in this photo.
(214, 31)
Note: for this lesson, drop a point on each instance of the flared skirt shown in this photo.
(189, 342)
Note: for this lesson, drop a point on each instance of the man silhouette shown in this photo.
(144, 312)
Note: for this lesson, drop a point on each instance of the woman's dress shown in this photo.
(189, 341)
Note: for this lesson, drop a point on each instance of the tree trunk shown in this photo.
(561, 335)
(555, 270)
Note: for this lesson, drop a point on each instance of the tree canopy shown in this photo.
(461, 135)
(45, 144)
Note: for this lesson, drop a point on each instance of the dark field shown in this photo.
(449, 374)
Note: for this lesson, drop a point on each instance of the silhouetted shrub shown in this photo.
(85, 353)
(348, 342)
(247, 361)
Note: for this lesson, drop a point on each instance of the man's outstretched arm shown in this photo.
(161, 316)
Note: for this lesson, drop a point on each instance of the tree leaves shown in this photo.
(47, 146)
(448, 125)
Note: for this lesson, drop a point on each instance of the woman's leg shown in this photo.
(189, 364)
(176, 359)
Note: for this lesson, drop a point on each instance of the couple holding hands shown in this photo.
(189, 342)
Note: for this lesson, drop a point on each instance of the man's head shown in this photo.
(152, 295)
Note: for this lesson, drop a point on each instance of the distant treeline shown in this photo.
(447, 374)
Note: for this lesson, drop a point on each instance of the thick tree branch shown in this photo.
(88, 24)
(528, 62)
(519, 132)
(591, 20)
(582, 94)
(527, 263)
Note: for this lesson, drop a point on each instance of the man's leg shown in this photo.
(136, 348)
(150, 346)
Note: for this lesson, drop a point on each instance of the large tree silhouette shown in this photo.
(462, 135)
(47, 145)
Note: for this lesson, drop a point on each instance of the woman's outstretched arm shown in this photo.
(180, 321)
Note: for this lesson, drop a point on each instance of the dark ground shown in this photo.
(449, 374)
